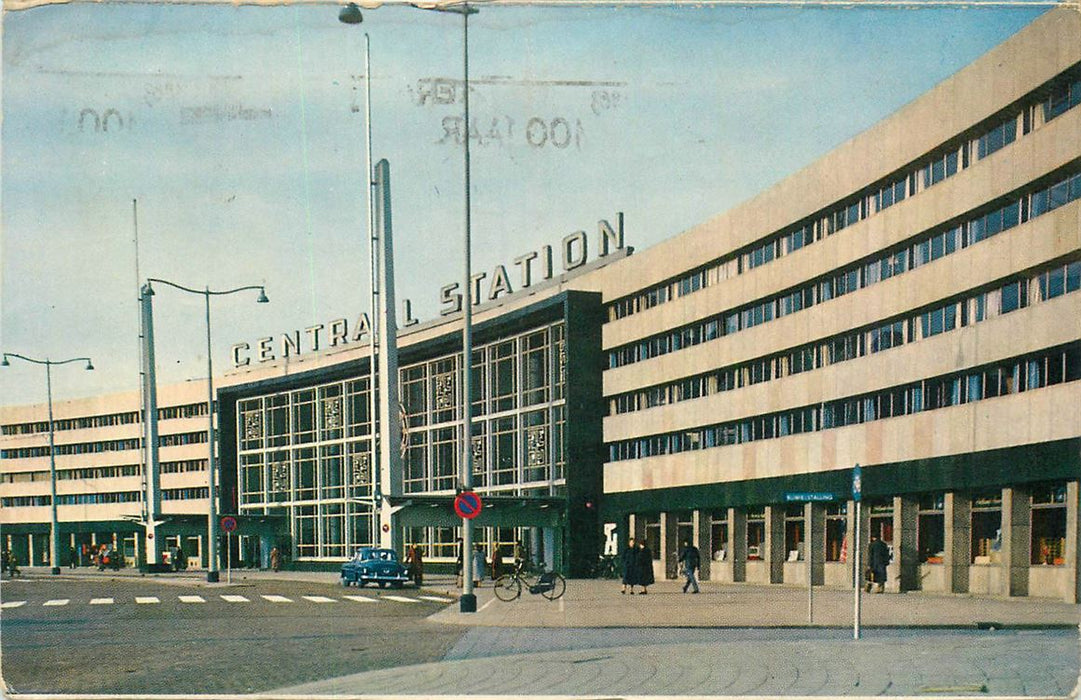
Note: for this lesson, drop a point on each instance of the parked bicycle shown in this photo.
(549, 584)
(607, 566)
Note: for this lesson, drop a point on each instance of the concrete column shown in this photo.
(958, 541)
(814, 517)
(703, 539)
(1073, 535)
(906, 559)
(670, 544)
(1016, 541)
(638, 527)
(736, 547)
(775, 552)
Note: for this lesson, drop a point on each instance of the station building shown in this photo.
(907, 303)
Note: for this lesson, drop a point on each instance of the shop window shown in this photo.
(986, 527)
(882, 520)
(1049, 525)
(794, 532)
(756, 534)
(718, 528)
(931, 528)
(836, 531)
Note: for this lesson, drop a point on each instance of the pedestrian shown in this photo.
(691, 560)
(478, 565)
(878, 557)
(497, 563)
(72, 558)
(275, 559)
(644, 561)
(415, 565)
(630, 567)
(459, 563)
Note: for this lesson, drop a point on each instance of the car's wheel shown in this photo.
(382, 584)
(397, 584)
(360, 583)
(344, 581)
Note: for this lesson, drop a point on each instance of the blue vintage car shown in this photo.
(374, 565)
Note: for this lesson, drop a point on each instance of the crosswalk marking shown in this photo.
(146, 600)
(360, 598)
(318, 599)
(277, 599)
(57, 602)
(436, 598)
(401, 599)
(235, 599)
(192, 599)
(101, 601)
(12, 604)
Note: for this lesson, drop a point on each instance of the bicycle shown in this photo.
(606, 566)
(549, 584)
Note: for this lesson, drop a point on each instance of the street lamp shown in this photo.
(212, 516)
(350, 14)
(468, 601)
(54, 532)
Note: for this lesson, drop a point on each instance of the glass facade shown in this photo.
(306, 452)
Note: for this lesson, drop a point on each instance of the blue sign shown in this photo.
(808, 496)
(467, 505)
(857, 482)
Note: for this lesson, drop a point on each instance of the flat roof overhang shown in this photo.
(498, 511)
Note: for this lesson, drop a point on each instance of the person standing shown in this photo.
(630, 567)
(878, 557)
(497, 563)
(415, 565)
(478, 565)
(644, 561)
(691, 560)
(275, 559)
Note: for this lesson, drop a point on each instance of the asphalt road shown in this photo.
(143, 637)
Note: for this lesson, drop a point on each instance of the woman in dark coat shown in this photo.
(645, 566)
(630, 567)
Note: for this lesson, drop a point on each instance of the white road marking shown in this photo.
(147, 600)
(57, 602)
(318, 599)
(101, 601)
(235, 599)
(12, 604)
(436, 598)
(360, 599)
(277, 599)
(192, 599)
(401, 599)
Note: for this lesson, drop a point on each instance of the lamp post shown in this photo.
(212, 516)
(350, 14)
(468, 601)
(54, 531)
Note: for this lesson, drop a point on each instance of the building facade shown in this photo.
(907, 303)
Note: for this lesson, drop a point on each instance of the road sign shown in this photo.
(808, 496)
(857, 482)
(228, 523)
(468, 505)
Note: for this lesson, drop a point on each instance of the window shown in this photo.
(998, 137)
(1049, 525)
(931, 528)
(986, 527)
(756, 533)
(836, 528)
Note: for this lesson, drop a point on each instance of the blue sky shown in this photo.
(240, 131)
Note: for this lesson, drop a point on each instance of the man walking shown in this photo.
(878, 557)
(691, 560)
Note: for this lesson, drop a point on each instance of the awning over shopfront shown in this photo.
(498, 511)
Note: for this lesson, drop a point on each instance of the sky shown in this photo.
(229, 141)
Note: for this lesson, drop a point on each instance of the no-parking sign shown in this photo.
(468, 505)
(228, 523)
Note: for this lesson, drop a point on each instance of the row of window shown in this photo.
(925, 250)
(107, 472)
(103, 421)
(1064, 94)
(1020, 293)
(89, 499)
(1013, 376)
(82, 448)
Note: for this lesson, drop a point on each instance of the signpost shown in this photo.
(468, 505)
(857, 489)
(228, 525)
(809, 497)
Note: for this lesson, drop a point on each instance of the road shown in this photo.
(116, 636)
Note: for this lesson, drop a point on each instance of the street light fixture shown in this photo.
(54, 531)
(212, 516)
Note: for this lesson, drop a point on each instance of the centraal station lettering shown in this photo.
(533, 268)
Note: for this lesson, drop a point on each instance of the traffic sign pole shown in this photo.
(857, 573)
